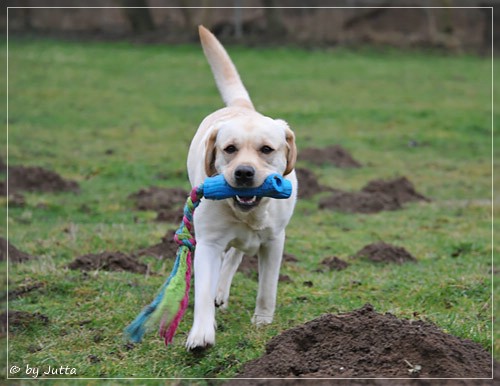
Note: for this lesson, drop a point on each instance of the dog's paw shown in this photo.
(262, 320)
(200, 338)
(221, 300)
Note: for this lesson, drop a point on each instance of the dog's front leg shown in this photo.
(270, 256)
(207, 262)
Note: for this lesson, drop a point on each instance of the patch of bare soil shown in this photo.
(250, 265)
(333, 263)
(364, 343)
(333, 155)
(155, 198)
(359, 202)
(173, 216)
(20, 320)
(166, 249)
(108, 261)
(385, 253)
(36, 179)
(401, 188)
(167, 202)
(374, 197)
(118, 261)
(15, 255)
(16, 199)
(25, 287)
(308, 183)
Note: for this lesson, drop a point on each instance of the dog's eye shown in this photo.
(266, 149)
(230, 149)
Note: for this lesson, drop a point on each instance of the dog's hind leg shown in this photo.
(270, 256)
(230, 264)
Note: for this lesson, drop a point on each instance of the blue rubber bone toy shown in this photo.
(274, 186)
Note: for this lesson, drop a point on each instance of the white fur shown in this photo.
(223, 231)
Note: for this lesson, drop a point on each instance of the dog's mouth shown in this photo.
(246, 203)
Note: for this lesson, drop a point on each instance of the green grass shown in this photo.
(69, 104)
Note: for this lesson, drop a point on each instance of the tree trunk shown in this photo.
(274, 22)
(139, 18)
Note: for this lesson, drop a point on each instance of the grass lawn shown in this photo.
(115, 117)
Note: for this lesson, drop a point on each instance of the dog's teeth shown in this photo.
(246, 200)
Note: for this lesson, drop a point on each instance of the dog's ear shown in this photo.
(291, 148)
(291, 156)
(210, 153)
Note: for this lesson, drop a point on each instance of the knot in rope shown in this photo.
(184, 235)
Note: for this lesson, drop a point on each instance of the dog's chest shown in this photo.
(250, 241)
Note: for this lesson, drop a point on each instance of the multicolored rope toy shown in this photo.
(172, 300)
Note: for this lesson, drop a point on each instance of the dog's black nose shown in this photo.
(244, 175)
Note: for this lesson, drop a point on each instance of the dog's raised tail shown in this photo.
(226, 76)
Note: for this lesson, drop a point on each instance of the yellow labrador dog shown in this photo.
(245, 147)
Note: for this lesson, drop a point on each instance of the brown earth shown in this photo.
(333, 155)
(108, 261)
(20, 320)
(333, 263)
(359, 202)
(374, 197)
(155, 198)
(118, 261)
(385, 253)
(364, 343)
(167, 202)
(36, 179)
(173, 216)
(15, 255)
(308, 183)
(166, 249)
(16, 199)
(401, 188)
(249, 265)
(25, 287)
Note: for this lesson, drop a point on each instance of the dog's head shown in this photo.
(247, 150)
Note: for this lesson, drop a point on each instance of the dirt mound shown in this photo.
(118, 261)
(374, 197)
(166, 249)
(250, 264)
(334, 155)
(385, 253)
(333, 263)
(155, 198)
(173, 216)
(401, 188)
(364, 343)
(359, 202)
(15, 255)
(36, 179)
(167, 202)
(308, 183)
(108, 261)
